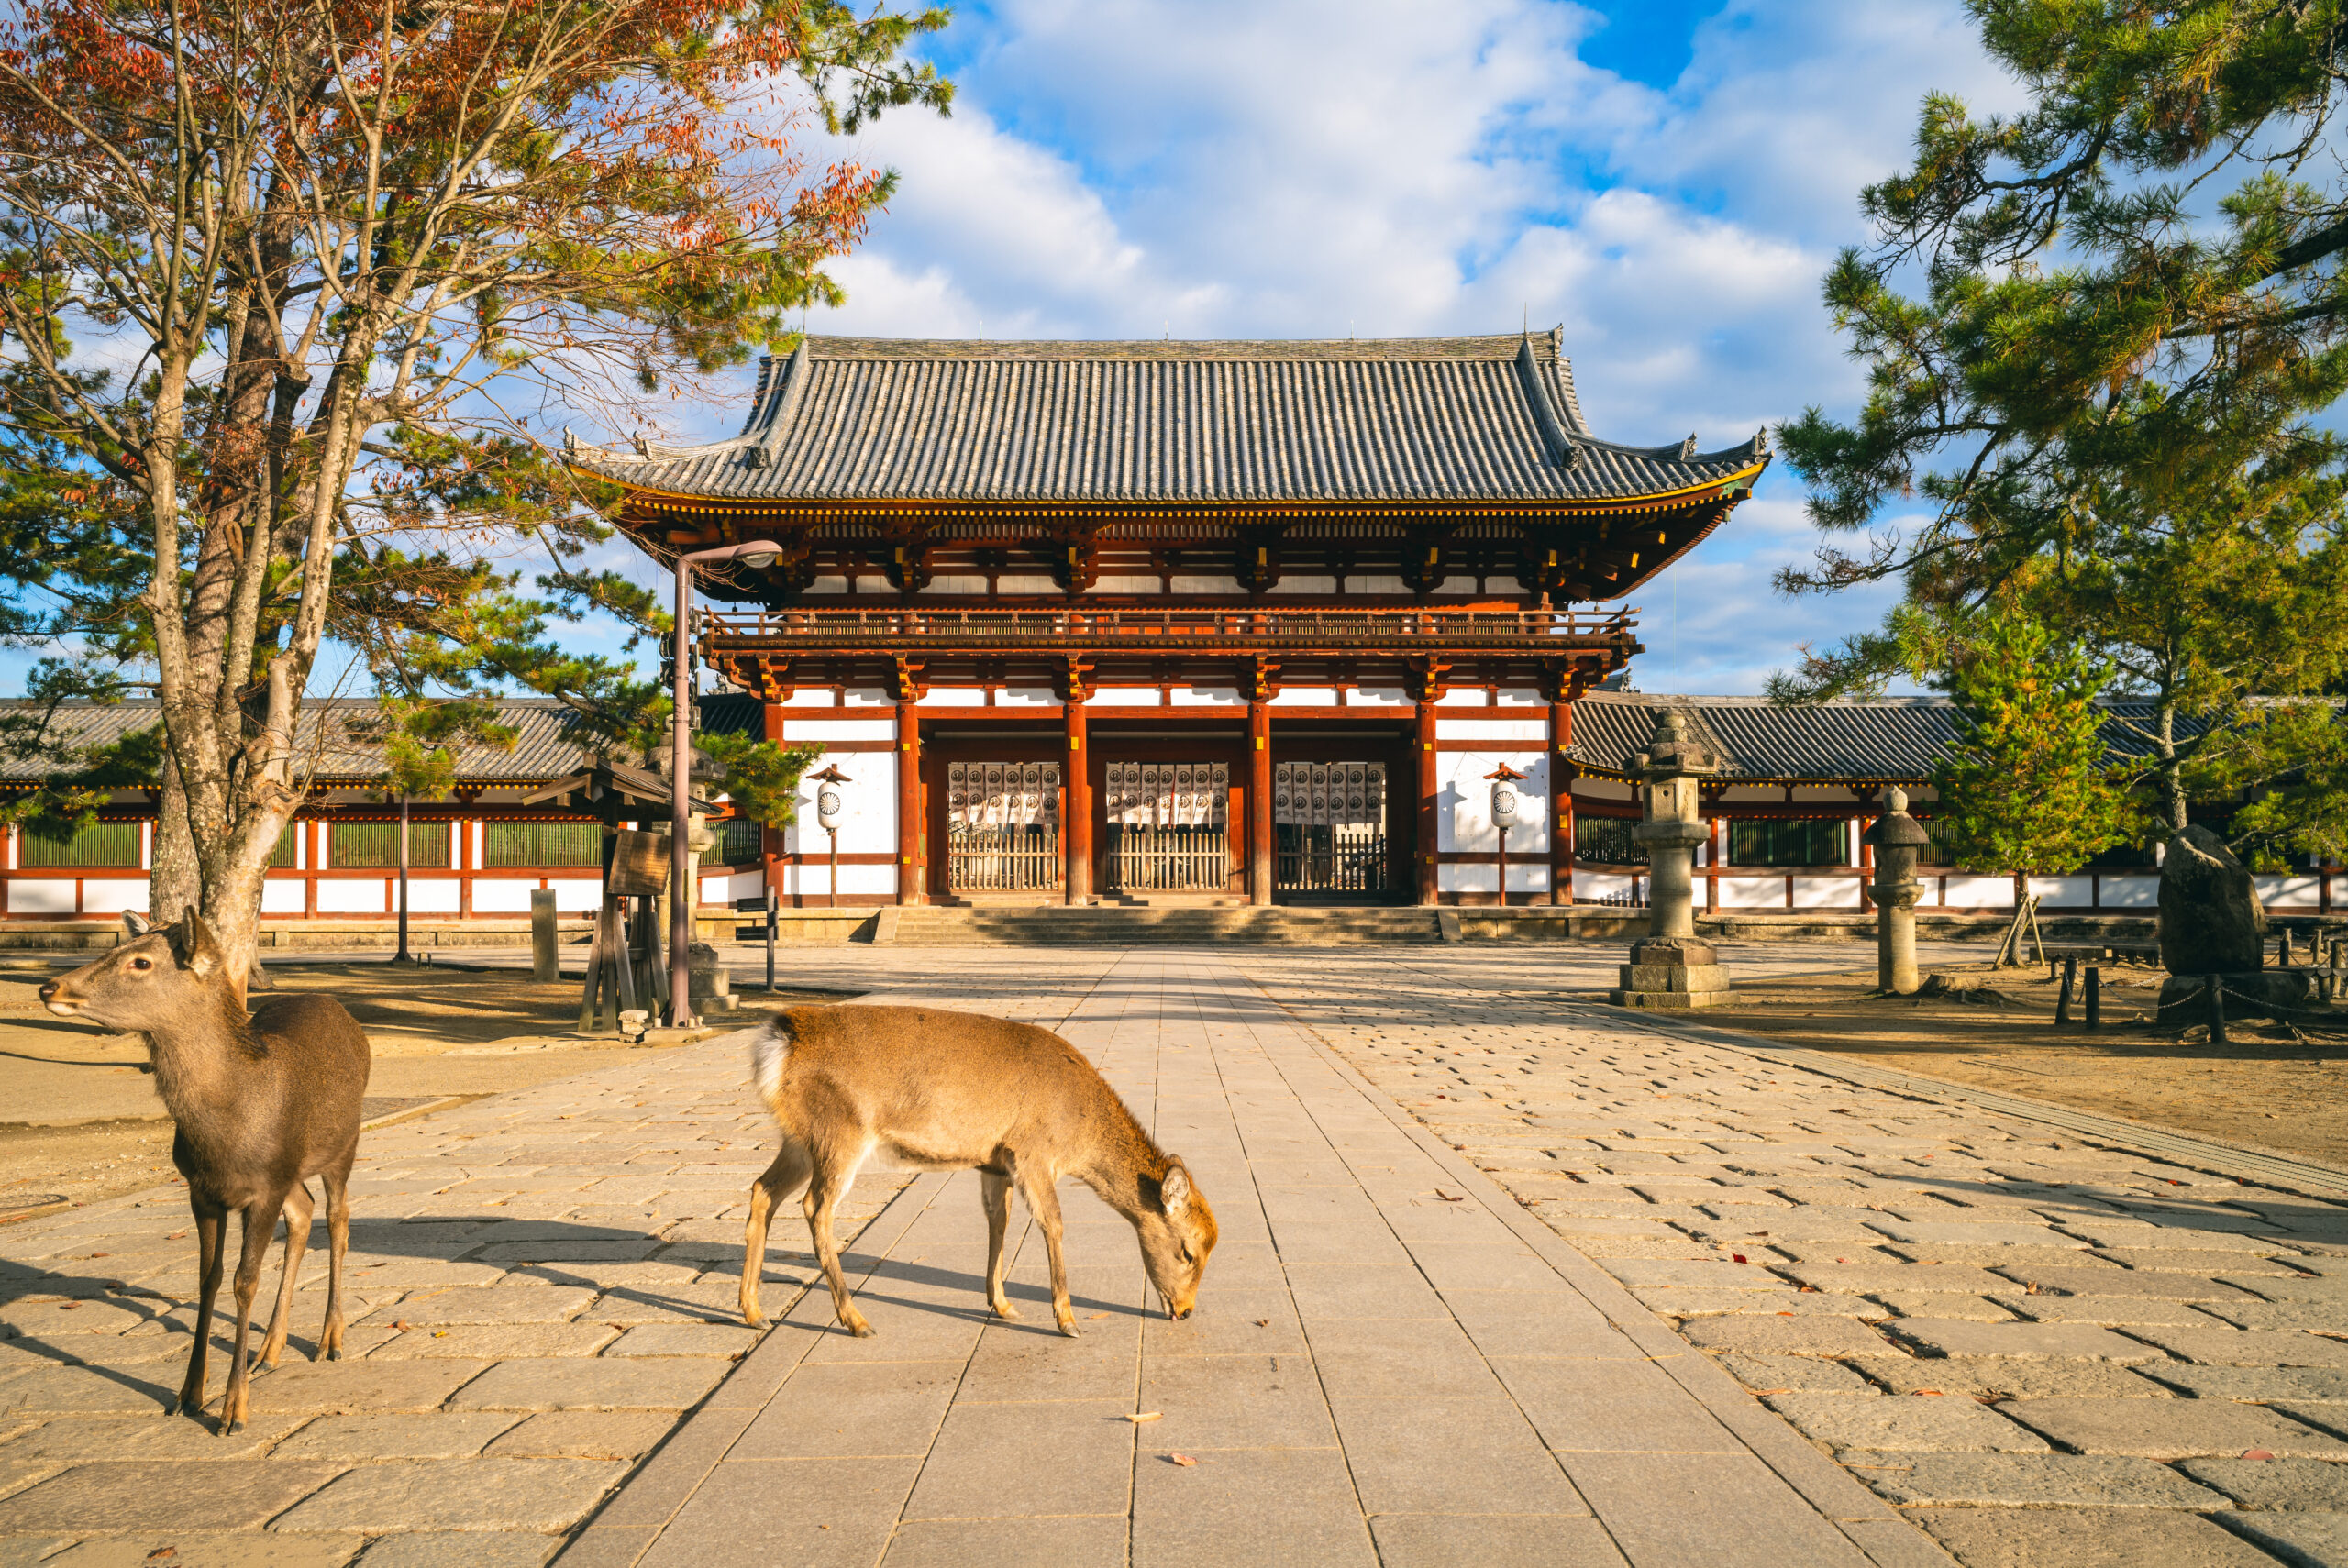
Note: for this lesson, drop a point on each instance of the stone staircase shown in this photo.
(1122, 926)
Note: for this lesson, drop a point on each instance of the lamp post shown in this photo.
(828, 809)
(682, 899)
(1504, 804)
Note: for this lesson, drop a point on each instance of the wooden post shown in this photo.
(771, 923)
(1075, 820)
(545, 960)
(1262, 871)
(1561, 803)
(2063, 1002)
(1426, 783)
(909, 855)
(2095, 999)
(2214, 989)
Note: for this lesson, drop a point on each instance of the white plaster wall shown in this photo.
(2129, 892)
(1381, 585)
(505, 897)
(1128, 697)
(41, 896)
(1753, 892)
(277, 897)
(571, 894)
(1125, 585)
(869, 825)
(867, 697)
(813, 697)
(2067, 892)
(1826, 892)
(1307, 697)
(1597, 887)
(1207, 697)
(1025, 585)
(1464, 803)
(363, 897)
(112, 896)
(1520, 697)
(2289, 892)
(1026, 697)
(428, 895)
(1206, 584)
(1462, 697)
(1966, 893)
(955, 697)
(1387, 696)
(1450, 729)
(839, 729)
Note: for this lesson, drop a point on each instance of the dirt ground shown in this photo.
(80, 1119)
(2270, 1087)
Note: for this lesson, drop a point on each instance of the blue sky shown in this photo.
(1669, 180)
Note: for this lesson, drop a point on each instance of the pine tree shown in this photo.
(2028, 788)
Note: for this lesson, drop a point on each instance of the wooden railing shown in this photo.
(1016, 860)
(1179, 859)
(1312, 862)
(1174, 628)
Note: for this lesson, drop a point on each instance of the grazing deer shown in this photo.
(263, 1104)
(914, 1087)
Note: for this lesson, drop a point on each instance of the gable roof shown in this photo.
(1410, 419)
(1867, 740)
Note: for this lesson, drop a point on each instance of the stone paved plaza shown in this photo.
(1503, 1278)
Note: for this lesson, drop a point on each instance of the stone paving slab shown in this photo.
(2140, 1303)
(1391, 1361)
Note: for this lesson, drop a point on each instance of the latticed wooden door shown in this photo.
(1002, 826)
(1329, 819)
(1168, 826)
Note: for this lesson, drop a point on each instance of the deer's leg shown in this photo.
(1044, 1203)
(208, 1220)
(299, 1207)
(260, 1226)
(337, 1182)
(994, 1192)
(786, 1176)
(826, 1185)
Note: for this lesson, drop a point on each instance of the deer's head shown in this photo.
(157, 978)
(1176, 1231)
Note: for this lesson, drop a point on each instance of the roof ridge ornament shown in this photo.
(1560, 446)
(1688, 447)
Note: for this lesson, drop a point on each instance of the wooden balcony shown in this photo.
(1148, 633)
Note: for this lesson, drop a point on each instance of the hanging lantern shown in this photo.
(1505, 800)
(830, 805)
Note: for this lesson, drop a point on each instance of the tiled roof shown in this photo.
(1390, 419)
(550, 742)
(1891, 740)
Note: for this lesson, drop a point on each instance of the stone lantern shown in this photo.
(1671, 968)
(1898, 839)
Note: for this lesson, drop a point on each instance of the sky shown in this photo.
(1668, 180)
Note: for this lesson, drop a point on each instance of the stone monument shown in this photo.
(1671, 968)
(2211, 923)
(1898, 839)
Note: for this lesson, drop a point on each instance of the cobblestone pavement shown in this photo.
(2045, 1349)
(2037, 1348)
(540, 1284)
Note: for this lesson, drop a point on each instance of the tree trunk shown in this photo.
(174, 884)
(2171, 770)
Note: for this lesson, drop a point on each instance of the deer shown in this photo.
(910, 1088)
(262, 1104)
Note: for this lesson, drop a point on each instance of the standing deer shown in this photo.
(918, 1089)
(263, 1104)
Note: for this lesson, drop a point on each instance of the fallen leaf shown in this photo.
(400, 1325)
(1184, 1460)
(102, 1255)
(439, 1333)
(1736, 1257)
(68, 1306)
(1263, 1323)
(175, 1235)
(1138, 1417)
(160, 1552)
(2256, 1454)
(1922, 1392)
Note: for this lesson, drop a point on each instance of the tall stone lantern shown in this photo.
(1671, 968)
(1898, 839)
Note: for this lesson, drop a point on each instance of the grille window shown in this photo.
(1789, 843)
(100, 844)
(363, 845)
(504, 844)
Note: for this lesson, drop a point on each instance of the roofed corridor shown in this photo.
(1503, 1279)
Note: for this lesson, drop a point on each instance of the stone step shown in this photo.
(1125, 925)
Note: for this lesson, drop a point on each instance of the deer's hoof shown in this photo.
(335, 1354)
(228, 1429)
(1005, 1309)
(174, 1405)
(859, 1328)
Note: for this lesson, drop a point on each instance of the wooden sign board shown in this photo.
(640, 864)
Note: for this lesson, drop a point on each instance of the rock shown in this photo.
(2263, 993)
(1685, 952)
(2210, 920)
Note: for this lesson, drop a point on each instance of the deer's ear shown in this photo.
(1174, 1189)
(204, 952)
(135, 924)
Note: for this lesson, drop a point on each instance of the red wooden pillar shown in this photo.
(1075, 813)
(1426, 781)
(911, 871)
(1561, 803)
(770, 839)
(1261, 870)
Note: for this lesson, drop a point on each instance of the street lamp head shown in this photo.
(758, 555)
